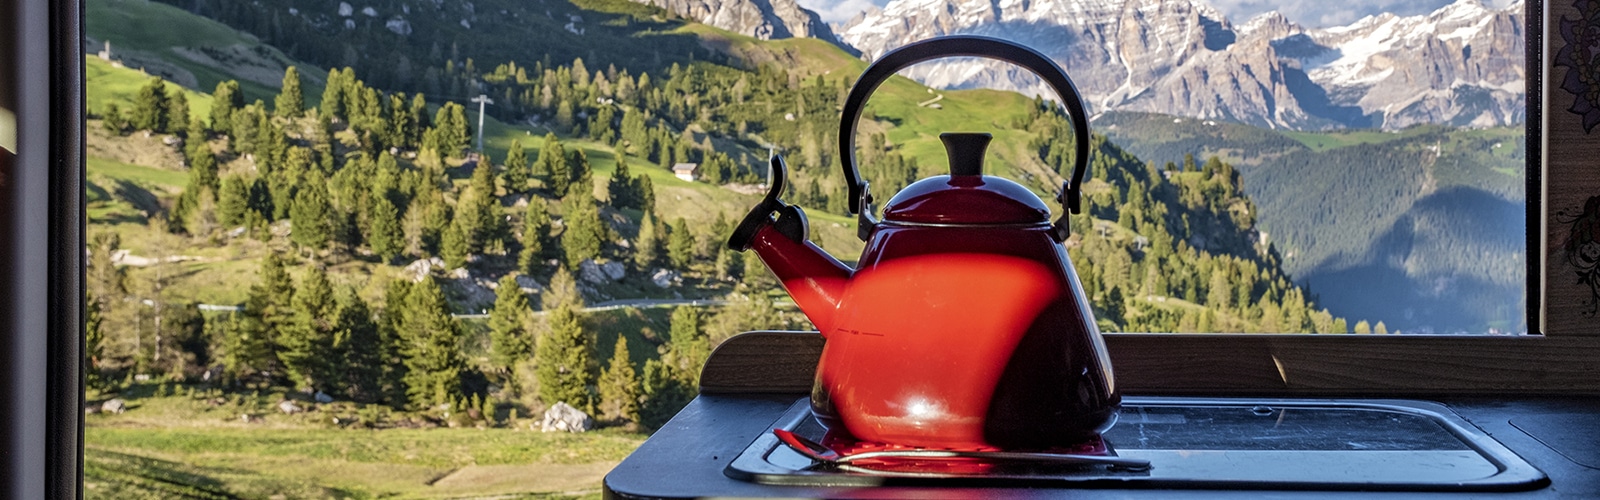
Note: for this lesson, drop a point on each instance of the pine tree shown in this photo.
(585, 233)
(202, 163)
(150, 108)
(1363, 327)
(386, 179)
(552, 165)
(510, 341)
(268, 308)
(647, 248)
(536, 242)
(435, 221)
(112, 119)
(562, 360)
(687, 344)
(619, 386)
(178, 113)
(311, 216)
(358, 345)
(563, 290)
(582, 177)
(419, 117)
(450, 130)
(645, 190)
(384, 234)
(664, 394)
(478, 213)
(93, 337)
(226, 99)
(620, 187)
(290, 102)
(517, 168)
(1380, 328)
(392, 347)
(431, 347)
(453, 247)
(728, 264)
(564, 118)
(333, 95)
(306, 342)
(680, 245)
(242, 346)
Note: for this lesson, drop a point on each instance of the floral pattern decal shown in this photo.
(1581, 55)
(1582, 248)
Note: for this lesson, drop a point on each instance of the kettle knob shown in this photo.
(965, 150)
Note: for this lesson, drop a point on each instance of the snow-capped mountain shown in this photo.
(1459, 65)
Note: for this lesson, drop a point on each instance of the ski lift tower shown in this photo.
(481, 100)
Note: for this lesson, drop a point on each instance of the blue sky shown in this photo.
(1312, 13)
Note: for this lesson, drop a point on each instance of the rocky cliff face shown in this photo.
(1460, 65)
(764, 19)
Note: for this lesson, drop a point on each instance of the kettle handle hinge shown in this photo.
(788, 220)
(864, 221)
(1071, 204)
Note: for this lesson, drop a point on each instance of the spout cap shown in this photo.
(965, 150)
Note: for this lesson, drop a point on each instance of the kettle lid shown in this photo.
(966, 196)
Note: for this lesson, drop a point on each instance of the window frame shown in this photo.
(1564, 362)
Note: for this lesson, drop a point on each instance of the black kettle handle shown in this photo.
(963, 46)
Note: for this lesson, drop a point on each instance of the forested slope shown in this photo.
(1423, 228)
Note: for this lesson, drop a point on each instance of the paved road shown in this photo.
(611, 305)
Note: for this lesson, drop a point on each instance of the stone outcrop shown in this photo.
(763, 19)
(562, 417)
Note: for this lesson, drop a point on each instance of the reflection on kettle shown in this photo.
(964, 326)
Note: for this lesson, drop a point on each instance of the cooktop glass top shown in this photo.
(1200, 443)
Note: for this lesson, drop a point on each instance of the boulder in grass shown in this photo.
(589, 272)
(114, 406)
(528, 284)
(323, 397)
(615, 270)
(666, 278)
(289, 408)
(562, 417)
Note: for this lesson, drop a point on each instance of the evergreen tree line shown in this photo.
(310, 335)
(387, 192)
(406, 351)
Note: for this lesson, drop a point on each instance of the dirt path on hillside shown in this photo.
(523, 478)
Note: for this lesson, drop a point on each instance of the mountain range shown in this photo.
(1461, 65)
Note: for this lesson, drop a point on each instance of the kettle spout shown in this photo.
(813, 278)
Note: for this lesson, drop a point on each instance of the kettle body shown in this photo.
(964, 325)
(965, 338)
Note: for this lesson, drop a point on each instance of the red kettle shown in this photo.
(964, 326)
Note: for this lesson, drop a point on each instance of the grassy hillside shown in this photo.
(1420, 228)
(191, 50)
(120, 85)
(190, 442)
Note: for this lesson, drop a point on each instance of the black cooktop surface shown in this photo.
(1370, 445)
